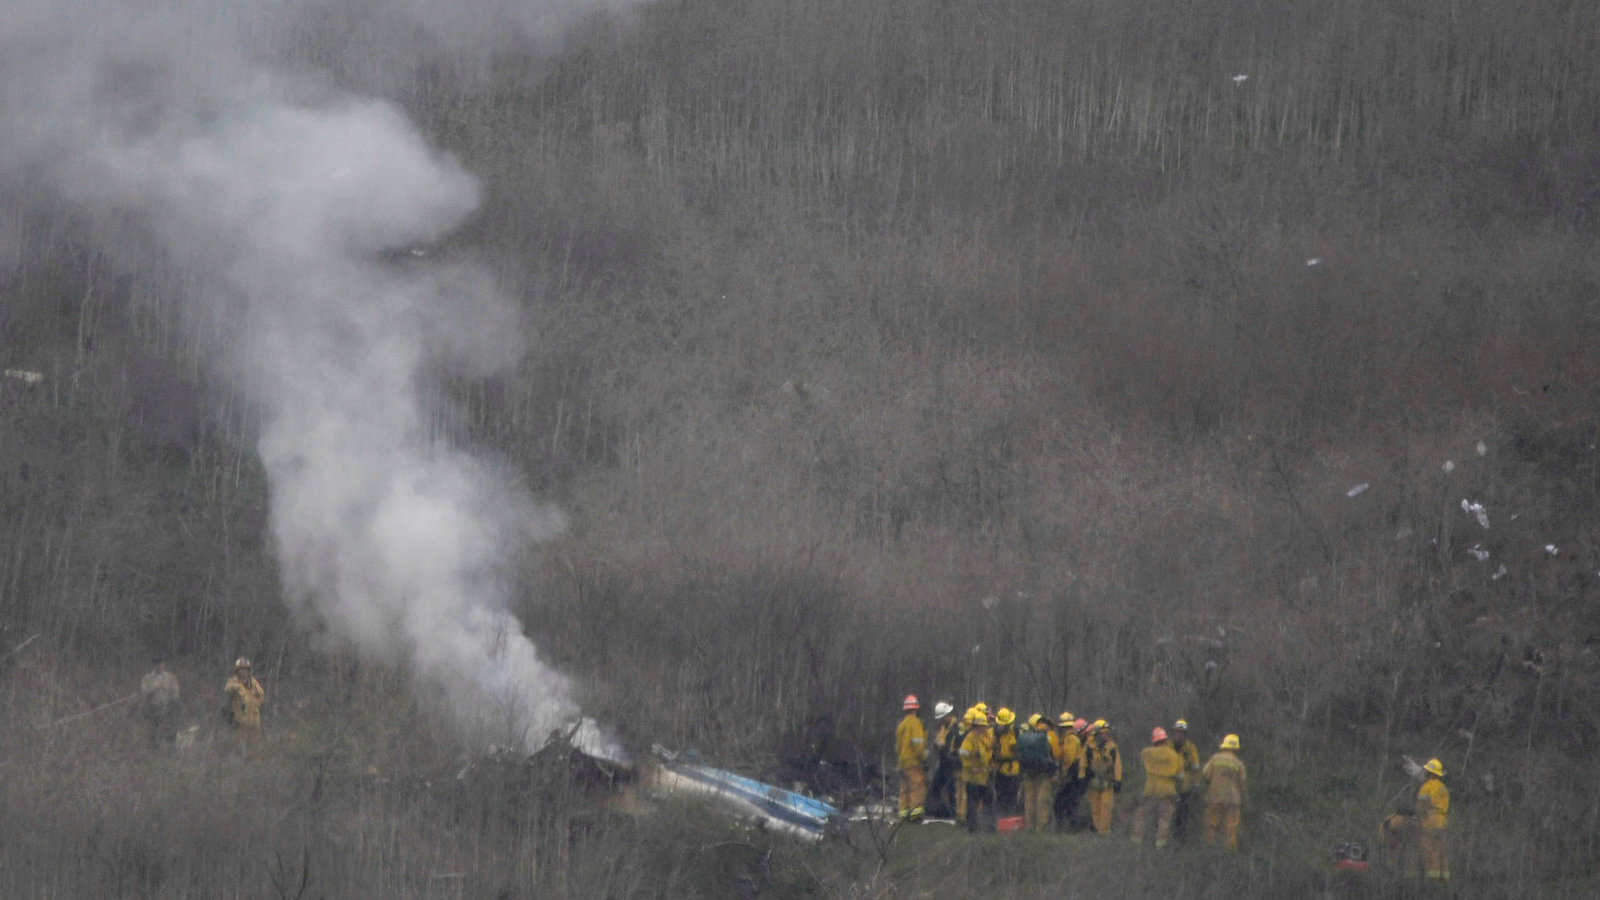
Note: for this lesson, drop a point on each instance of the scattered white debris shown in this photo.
(989, 601)
(1478, 553)
(1477, 511)
(25, 376)
(1514, 516)
(1240, 79)
(1551, 549)
(976, 649)
(1449, 466)
(1406, 531)
(1498, 573)
(1483, 449)
(1357, 490)
(1314, 261)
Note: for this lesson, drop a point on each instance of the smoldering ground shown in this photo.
(224, 152)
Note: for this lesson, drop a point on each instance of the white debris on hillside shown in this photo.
(1477, 511)
(1357, 490)
(25, 376)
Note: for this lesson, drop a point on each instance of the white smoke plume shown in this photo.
(281, 200)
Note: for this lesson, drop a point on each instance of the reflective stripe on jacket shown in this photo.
(245, 697)
(1103, 762)
(910, 742)
(1162, 766)
(1433, 804)
(977, 757)
(1005, 754)
(1225, 776)
(1068, 754)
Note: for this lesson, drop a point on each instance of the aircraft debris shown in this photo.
(1477, 511)
(765, 805)
(1357, 490)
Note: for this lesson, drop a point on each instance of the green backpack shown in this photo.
(1033, 753)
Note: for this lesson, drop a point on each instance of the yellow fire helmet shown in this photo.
(1434, 767)
(1066, 720)
(1005, 716)
(1231, 742)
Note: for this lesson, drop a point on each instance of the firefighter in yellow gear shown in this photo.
(1163, 766)
(1189, 783)
(1433, 806)
(1036, 754)
(977, 767)
(244, 695)
(1226, 785)
(1102, 765)
(911, 749)
(1007, 770)
(1069, 771)
(973, 713)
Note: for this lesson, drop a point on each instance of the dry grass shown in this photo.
(846, 319)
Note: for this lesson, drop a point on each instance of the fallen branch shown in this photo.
(18, 648)
(118, 702)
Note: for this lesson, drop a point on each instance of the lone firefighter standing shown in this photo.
(1433, 805)
(910, 743)
(244, 698)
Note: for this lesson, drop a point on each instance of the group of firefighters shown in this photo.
(243, 697)
(988, 765)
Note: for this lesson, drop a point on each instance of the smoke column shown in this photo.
(281, 200)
